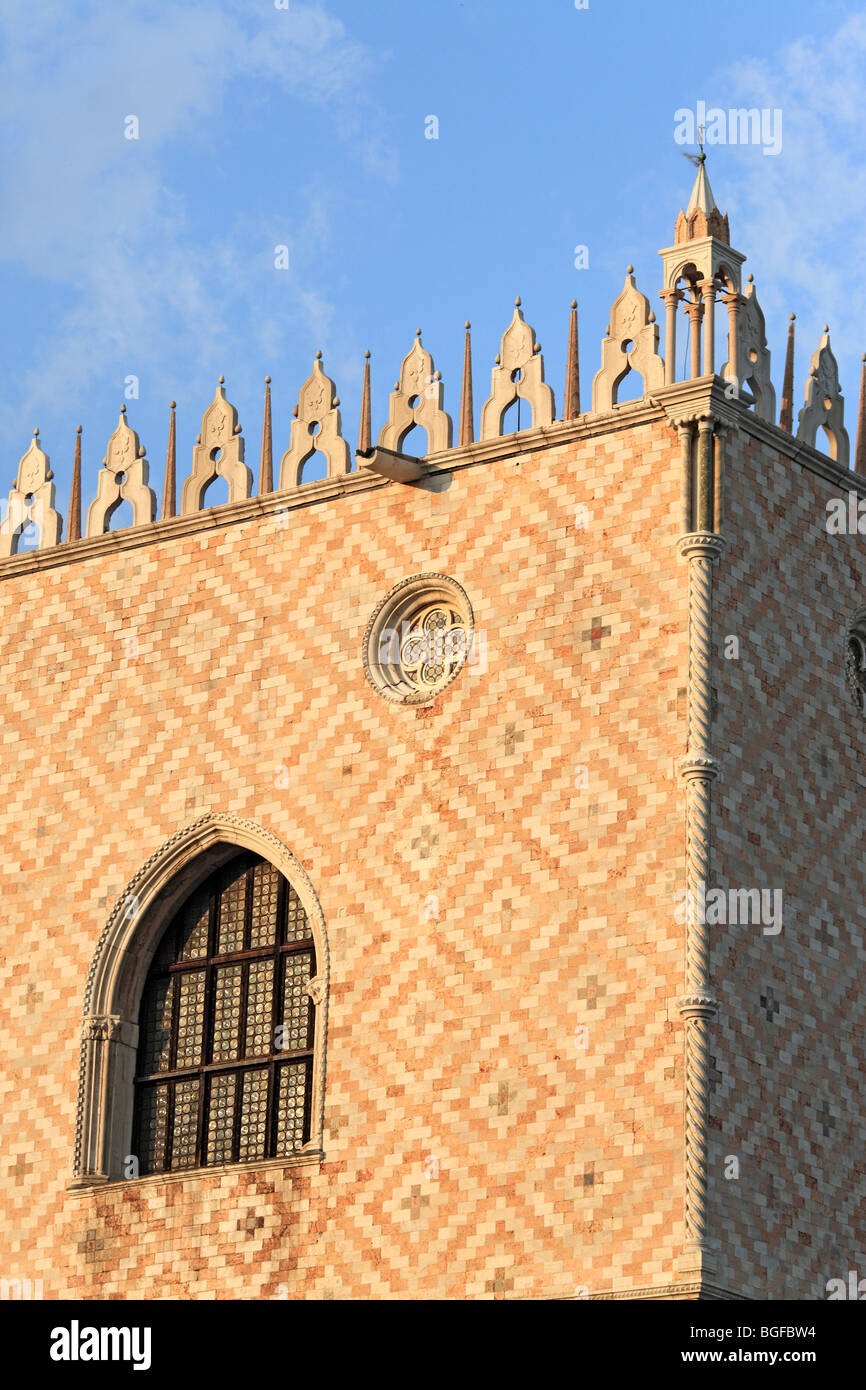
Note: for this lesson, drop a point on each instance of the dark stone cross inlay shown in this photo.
(770, 1003)
(594, 634)
(511, 739)
(826, 1119)
(414, 1203)
(592, 992)
(425, 843)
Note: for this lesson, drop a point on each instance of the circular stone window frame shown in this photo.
(856, 628)
(406, 599)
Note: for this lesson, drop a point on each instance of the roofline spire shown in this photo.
(365, 429)
(74, 533)
(786, 414)
(169, 503)
(467, 423)
(860, 454)
(571, 408)
(266, 461)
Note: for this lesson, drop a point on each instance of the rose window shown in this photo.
(418, 638)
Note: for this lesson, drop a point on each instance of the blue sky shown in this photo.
(305, 127)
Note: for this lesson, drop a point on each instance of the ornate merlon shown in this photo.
(317, 425)
(31, 503)
(122, 478)
(631, 345)
(218, 453)
(824, 406)
(417, 399)
(517, 375)
(753, 355)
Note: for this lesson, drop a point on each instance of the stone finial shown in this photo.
(467, 417)
(418, 399)
(824, 406)
(517, 375)
(571, 406)
(31, 503)
(317, 425)
(74, 527)
(123, 477)
(631, 345)
(860, 453)
(365, 429)
(169, 486)
(266, 461)
(753, 355)
(218, 454)
(786, 415)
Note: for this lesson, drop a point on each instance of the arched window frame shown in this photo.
(109, 1042)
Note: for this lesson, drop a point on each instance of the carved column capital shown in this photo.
(704, 545)
(699, 767)
(702, 1006)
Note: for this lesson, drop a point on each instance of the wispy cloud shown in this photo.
(804, 211)
(142, 265)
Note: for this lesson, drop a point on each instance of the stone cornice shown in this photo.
(703, 397)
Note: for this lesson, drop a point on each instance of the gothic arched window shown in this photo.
(226, 1027)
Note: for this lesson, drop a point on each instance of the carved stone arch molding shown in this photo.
(115, 981)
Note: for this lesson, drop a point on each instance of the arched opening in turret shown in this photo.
(314, 468)
(215, 494)
(630, 387)
(832, 444)
(518, 416)
(25, 538)
(118, 517)
(415, 442)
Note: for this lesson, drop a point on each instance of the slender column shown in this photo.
(733, 301)
(685, 431)
(671, 299)
(704, 508)
(698, 1008)
(695, 311)
(708, 290)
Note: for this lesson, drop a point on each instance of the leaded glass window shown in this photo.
(225, 1056)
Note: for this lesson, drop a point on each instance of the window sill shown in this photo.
(83, 1187)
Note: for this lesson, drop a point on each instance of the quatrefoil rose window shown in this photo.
(418, 638)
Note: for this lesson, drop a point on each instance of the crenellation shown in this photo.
(700, 268)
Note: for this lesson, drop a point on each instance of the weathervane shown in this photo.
(697, 159)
